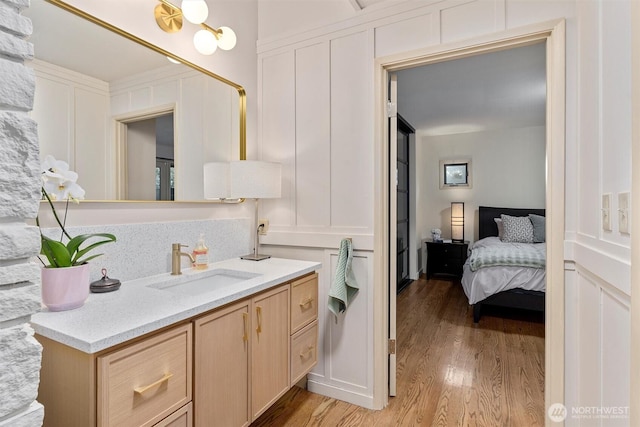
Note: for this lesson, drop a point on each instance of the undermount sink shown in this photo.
(205, 282)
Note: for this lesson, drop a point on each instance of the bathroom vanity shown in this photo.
(214, 347)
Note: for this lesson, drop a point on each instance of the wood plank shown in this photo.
(450, 370)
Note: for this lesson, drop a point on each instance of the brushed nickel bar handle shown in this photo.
(141, 390)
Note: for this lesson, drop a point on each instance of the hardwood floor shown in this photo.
(450, 371)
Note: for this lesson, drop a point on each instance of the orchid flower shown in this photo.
(59, 183)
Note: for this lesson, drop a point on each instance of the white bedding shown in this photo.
(487, 281)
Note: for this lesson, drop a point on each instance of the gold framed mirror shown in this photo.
(133, 125)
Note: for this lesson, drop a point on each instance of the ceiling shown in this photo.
(503, 89)
(66, 40)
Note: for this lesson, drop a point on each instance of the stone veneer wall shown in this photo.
(20, 353)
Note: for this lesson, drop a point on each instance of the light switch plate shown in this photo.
(623, 212)
(606, 212)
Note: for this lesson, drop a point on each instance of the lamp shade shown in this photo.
(216, 180)
(457, 221)
(205, 42)
(228, 39)
(195, 11)
(253, 179)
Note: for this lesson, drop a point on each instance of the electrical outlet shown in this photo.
(623, 212)
(606, 212)
(263, 226)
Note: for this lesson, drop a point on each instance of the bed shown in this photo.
(506, 286)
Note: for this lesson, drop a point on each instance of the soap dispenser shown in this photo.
(201, 254)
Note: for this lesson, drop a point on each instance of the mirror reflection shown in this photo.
(134, 125)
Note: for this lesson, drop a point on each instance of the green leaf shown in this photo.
(74, 246)
(57, 253)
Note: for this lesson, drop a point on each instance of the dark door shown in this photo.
(403, 214)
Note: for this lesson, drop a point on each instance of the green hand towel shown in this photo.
(344, 285)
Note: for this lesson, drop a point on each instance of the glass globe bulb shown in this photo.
(227, 40)
(205, 42)
(195, 11)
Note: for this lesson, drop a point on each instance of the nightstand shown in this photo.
(446, 258)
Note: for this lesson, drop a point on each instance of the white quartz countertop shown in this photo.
(137, 308)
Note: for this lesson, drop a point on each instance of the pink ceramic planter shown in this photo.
(65, 288)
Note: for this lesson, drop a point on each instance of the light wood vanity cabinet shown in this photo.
(244, 353)
(139, 384)
(236, 360)
(304, 326)
(222, 357)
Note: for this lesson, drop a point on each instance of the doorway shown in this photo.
(553, 35)
(145, 155)
(403, 216)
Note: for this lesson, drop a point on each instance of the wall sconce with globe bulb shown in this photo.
(208, 39)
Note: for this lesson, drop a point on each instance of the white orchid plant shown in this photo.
(59, 184)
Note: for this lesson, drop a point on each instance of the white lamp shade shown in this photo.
(195, 11)
(457, 221)
(255, 179)
(227, 40)
(216, 180)
(205, 42)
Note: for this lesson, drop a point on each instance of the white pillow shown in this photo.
(517, 229)
(500, 227)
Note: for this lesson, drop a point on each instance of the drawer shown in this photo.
(144, 382)
(443, 250)
(304, 301)
(304, 351)
(183, 417)
(450, 267)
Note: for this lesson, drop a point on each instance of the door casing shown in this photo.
(553, 33)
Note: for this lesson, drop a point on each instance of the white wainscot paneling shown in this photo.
(188, 147)
(219, 121)
(92, 110)
(71, 109)
(141, 98)
(589, 340)
(313, 136)
(345, 368)
(120, 103)
(603, 330)
(165, 92)
(413, 33)
(467, 19)
(278, 131)
(351, 131)
(616, 348)
(55, 121)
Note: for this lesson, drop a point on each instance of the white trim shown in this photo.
(377, 15)
(338, 393)
(553, 32)
(635, 207)
(356, 6)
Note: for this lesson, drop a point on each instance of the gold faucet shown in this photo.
(176, 253)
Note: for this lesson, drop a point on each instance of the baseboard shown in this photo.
(341, 394)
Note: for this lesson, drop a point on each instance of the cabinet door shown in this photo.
(270, 348)
(221, 380)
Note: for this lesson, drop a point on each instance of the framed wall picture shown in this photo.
(455, 173)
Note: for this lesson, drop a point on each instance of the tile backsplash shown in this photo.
(145, 249)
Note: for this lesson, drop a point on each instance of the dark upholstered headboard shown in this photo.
(487, 226)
